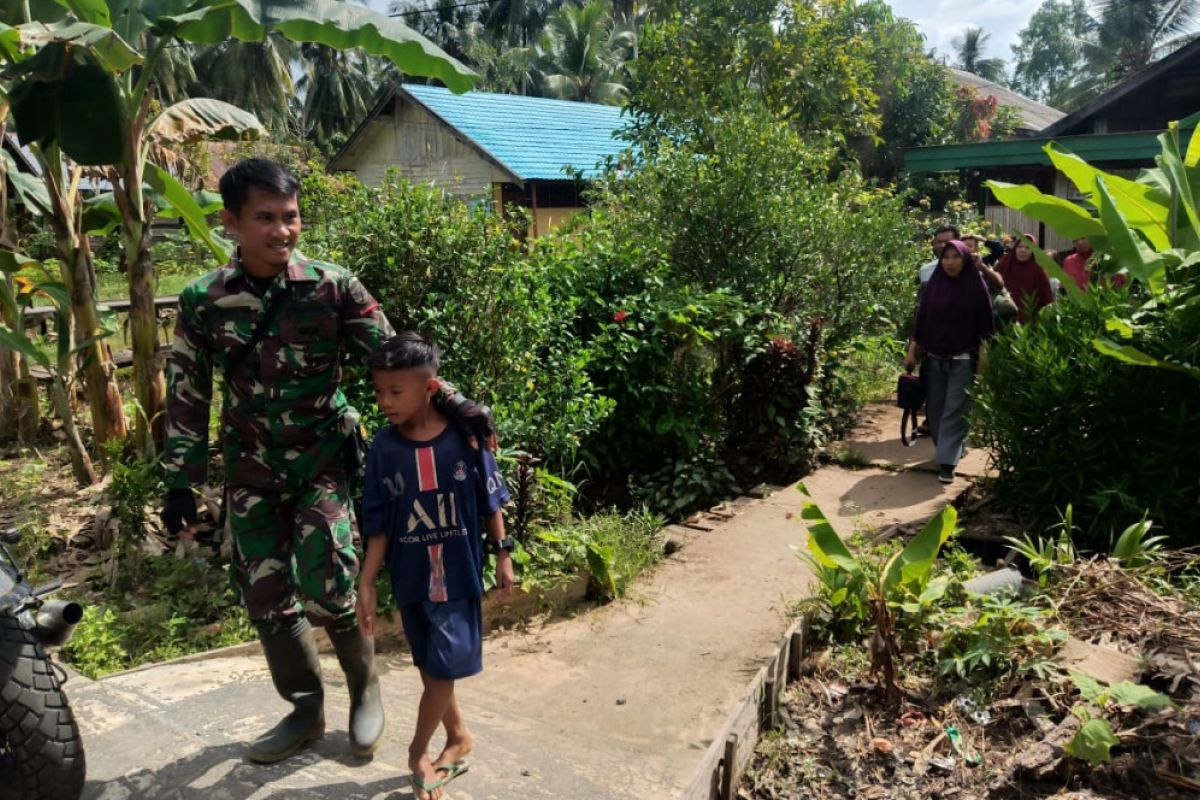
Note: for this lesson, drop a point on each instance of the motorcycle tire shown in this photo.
(36, 722)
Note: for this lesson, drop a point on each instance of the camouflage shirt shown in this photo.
(283, 415)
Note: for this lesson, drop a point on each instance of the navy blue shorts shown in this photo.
(446, 639)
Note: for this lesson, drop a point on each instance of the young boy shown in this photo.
(425, 490)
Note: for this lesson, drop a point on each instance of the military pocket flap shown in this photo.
(309, 323)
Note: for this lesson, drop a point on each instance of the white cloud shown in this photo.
(942, 20)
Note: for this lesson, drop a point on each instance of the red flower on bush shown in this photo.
(620, 316)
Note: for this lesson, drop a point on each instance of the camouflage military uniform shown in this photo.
(284, 420)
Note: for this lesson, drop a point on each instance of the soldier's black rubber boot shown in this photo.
(296, 671)
(356, 654)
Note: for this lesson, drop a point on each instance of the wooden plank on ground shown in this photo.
(1102, 663)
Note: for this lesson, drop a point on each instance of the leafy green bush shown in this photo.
(180, 606)
(613, 548)
(1068, 424)
(500, 309)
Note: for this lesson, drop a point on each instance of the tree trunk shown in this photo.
(78, 273)
(8, 398)
(99, 370)
(149, 381)
(8, 358)
(81, 462)
(29, 412)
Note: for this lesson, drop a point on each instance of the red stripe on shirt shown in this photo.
(366, 312)
(426, 470)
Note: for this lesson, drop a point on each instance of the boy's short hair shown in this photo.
(408, 350)
(946, 229)
(268, 175)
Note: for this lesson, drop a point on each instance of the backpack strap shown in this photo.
(270, 312)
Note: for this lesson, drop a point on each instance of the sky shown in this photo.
(942, 20)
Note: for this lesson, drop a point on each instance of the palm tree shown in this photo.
(969, 47)
(1125, 36)
(1130, 34)
(583, 53)
(337, 91)
(255, 76)
(517, 23)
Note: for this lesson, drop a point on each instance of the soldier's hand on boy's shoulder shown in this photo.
(365, 607)
(474, 420)
(505, 578)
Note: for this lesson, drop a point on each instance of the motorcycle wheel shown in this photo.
(36, 722)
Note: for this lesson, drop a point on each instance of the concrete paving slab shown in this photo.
(618, 701)
(876, 441)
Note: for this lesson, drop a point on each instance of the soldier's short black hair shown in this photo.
(268, 175)
(408, 350)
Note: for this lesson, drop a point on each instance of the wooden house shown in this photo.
(1117, 131)
(505, 149)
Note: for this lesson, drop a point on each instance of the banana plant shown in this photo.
(904, 583)
(82, 77)
(55, 198)
(1148, 228)
(44, 287)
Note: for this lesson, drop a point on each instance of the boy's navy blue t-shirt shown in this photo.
(428, 499)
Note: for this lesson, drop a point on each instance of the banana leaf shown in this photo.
(1062, 215)
(908, 571)
(1144, 205)
(336, 24)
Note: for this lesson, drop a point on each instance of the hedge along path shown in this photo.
(631, 699)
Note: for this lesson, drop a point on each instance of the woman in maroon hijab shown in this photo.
(953, 322)
(1026, 281)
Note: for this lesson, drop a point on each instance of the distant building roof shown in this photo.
(533, 138)
(1034, 115)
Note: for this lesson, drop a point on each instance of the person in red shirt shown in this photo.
(1026, 281)
(1076, 263)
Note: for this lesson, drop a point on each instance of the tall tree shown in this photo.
(1130, 34)
(1049, 53)
(969, 50)
(517, 23)
(118, 101)
(584, 53)
(337, 90)
(255, 76)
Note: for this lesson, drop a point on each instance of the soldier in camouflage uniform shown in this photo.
(284, 422)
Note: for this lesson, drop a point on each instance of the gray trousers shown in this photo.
(947, 404)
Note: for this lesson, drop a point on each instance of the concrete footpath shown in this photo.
(616, 702)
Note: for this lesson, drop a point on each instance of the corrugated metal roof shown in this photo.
(1034, 115)
(532, 137)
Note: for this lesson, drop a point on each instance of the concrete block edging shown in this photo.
(720, 772)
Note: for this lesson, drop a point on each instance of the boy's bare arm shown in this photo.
(505, 577)
(367, 602)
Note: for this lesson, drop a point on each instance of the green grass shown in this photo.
(115, 286)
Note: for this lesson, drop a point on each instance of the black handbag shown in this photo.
(910, 396)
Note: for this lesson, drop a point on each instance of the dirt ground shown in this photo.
(1000, 740)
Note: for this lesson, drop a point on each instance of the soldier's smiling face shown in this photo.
(267, 227)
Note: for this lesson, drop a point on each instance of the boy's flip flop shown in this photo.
(453, 770)
(427, 788)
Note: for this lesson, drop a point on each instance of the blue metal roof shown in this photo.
(534, 138)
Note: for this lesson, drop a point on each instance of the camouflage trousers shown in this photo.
(294, 552)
